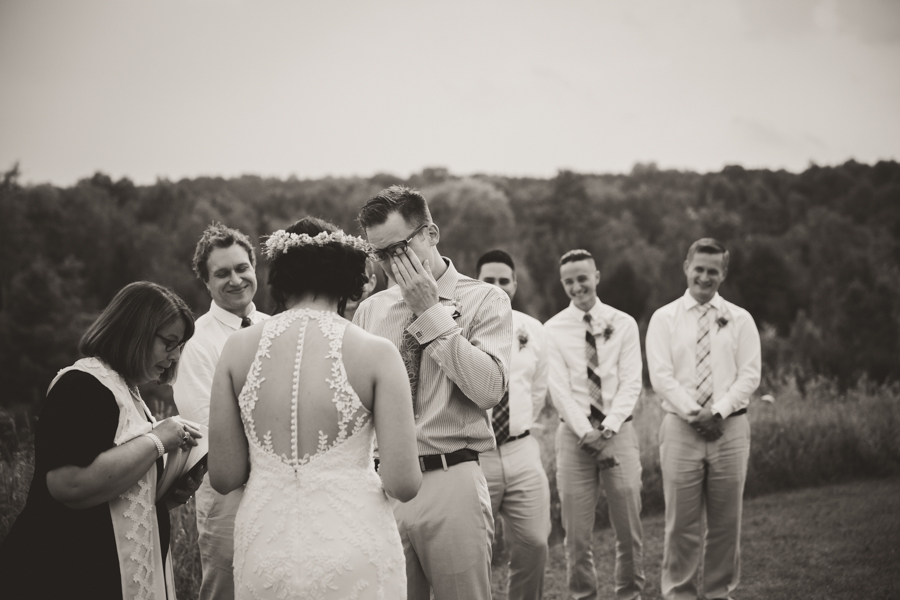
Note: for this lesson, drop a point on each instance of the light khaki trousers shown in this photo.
(578, 480)
(215, 526)
(447, 531)
(520, 493)
(697, 476)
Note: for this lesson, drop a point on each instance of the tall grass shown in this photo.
(800, 440)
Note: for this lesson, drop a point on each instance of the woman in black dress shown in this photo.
(92, 526)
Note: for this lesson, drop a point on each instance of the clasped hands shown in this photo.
(594, 444)
(417, 284)
(707, 424)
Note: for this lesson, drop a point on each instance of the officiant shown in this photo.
(92, 526)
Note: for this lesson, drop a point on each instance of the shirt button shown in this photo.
(417, 416)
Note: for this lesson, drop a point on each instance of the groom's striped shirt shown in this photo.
(465, 361)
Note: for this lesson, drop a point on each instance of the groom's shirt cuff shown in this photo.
(432, 324)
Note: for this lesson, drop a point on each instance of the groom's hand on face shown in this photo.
(416, 282)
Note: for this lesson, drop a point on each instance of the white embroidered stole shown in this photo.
(134, 512)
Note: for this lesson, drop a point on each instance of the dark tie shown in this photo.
(245, 322)
(411, 353)
(704, 363)
(594, 385)
(500, 420)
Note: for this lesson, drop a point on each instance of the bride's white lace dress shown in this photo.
(316, 525)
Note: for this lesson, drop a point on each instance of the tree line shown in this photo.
(815, 256)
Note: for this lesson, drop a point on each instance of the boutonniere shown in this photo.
(722, 321)
(454, 308)
(607, 332)
(522, 336)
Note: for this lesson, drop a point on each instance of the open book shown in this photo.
(181, 462)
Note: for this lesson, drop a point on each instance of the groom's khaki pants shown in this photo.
(215, 528)
(578, 480)
(447, 531)
(698, 474)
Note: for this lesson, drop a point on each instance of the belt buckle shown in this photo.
(422, 463)
(444, 462)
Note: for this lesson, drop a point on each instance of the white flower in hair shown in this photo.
(281, 241)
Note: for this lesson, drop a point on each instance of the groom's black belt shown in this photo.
(433, 462)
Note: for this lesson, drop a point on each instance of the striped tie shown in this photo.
(704, 362)
(500, 420)
(411, 353)
(594, 385)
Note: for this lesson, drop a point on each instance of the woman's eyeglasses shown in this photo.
(397, 248)
(170, 345)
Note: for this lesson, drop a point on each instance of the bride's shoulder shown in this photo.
(374, 348)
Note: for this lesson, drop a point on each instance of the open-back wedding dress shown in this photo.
(314, 521)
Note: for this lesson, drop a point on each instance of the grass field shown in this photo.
(839, 541)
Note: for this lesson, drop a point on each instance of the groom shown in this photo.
(455, 336)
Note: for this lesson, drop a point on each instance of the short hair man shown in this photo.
(515, 476)
(704, 359)
(224, 260)
(455, 336)
(595, 381)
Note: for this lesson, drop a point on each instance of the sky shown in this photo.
(150, 89)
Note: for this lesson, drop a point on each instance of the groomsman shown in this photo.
(454, 334)
(704, 359)
(224, 260)
(514, 472)
(595, 381)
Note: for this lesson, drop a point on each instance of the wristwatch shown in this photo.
(606, 433)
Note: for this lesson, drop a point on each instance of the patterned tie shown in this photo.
(411, 353)
(500, 420)
(245, 322)
(594, 385)
(704, 363)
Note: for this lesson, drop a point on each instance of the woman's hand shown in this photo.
(184, 488)
(174, 432)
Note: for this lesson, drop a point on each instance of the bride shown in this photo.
(296, 403)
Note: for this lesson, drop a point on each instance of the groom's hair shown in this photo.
(409, 203)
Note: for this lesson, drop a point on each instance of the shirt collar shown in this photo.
(446, 285)
(228, 318)
(598, 311)
(688, 301)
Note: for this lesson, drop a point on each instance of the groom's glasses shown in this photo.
(397, 248)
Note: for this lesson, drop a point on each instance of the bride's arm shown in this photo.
(394, 424)
(229, 459)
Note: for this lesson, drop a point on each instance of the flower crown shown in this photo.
(280, 241)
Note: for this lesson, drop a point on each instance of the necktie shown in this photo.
(594, 385)
(245, 322)
(500, 420)
(704, 363)
(411, 353)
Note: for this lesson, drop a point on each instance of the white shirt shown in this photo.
(619, 365)
(198, 360)
(527, 373)
(672, 355)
